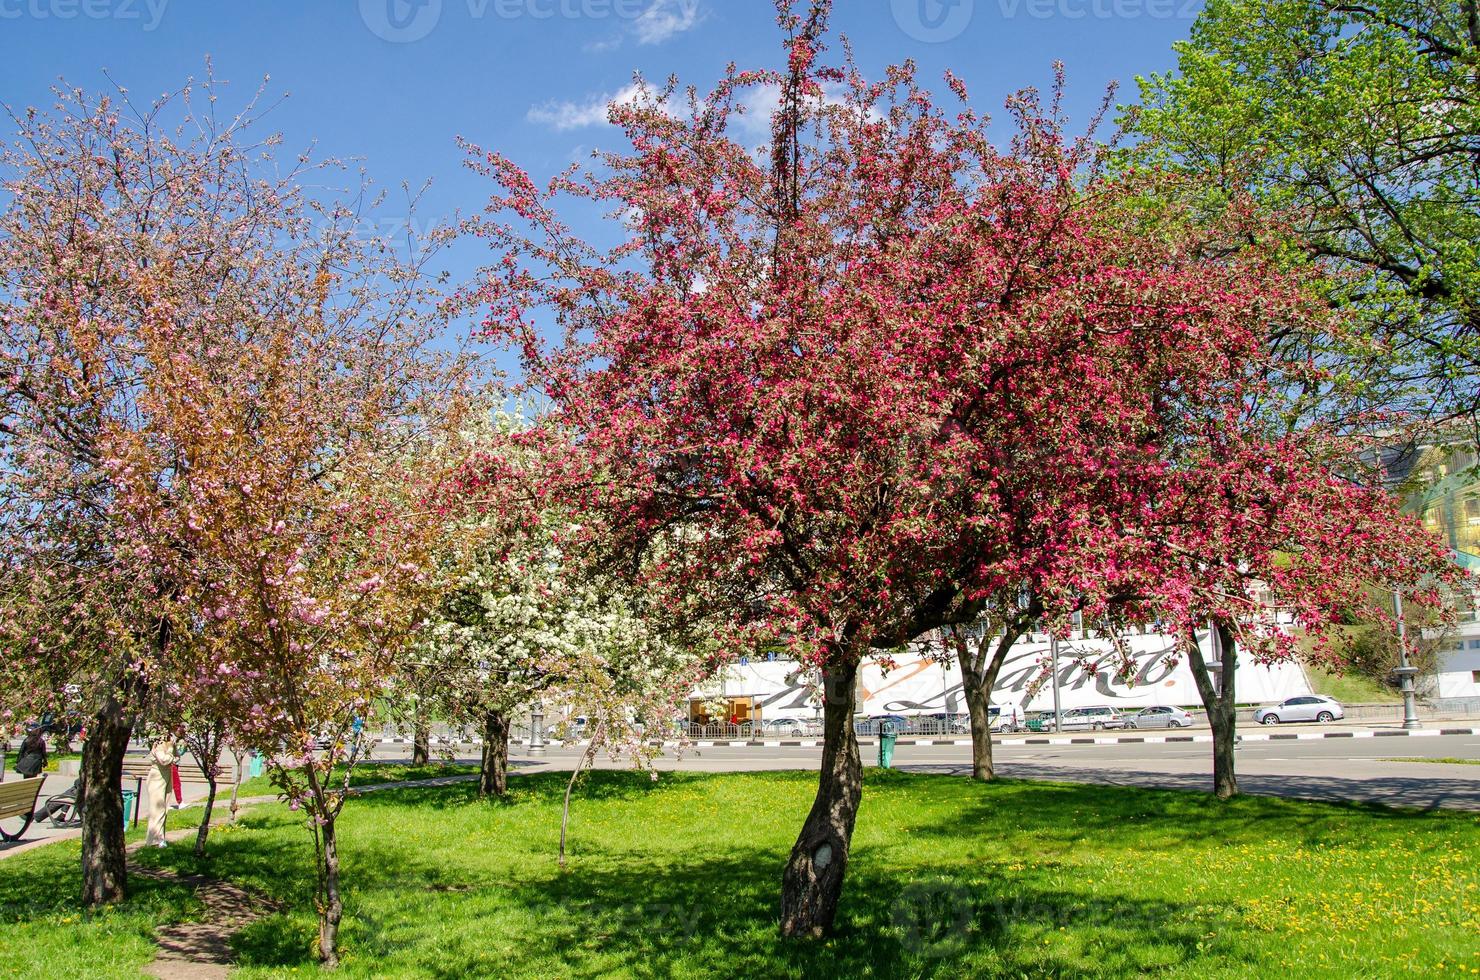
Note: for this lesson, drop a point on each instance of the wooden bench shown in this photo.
(138, 768)
(18, 799)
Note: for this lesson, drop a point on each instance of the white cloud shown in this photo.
(603, 46)
(666, 19)
(760, 103)
(661, 20)
(563, 116)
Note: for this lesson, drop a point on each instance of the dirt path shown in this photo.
(189, 950)
(202, 949)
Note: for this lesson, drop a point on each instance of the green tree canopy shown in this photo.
(1361, 123)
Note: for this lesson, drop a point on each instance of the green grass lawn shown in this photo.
(679, 878)
(1350, 688)
(53, 759)
(1445, 761)
(365, 774)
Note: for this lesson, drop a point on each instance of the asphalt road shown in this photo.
(1341, 769)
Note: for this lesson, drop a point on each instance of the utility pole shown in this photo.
(1405, 672)
(1053, 653)
(537, 729)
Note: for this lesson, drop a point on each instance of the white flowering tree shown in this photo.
(521, 624)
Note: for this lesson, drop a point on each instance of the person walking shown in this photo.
(175, 782)
(32, 757)
(162, 761)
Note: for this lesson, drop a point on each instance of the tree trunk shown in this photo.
(1225, 781)
(978, 678)
(1221, 706)
(205, 820)
(206, 744)
(981, 728)
(236, 782)
(331, 910)
(1225, 737)
(813, 880)
(493, 775)
(104, 878)
(421, 740)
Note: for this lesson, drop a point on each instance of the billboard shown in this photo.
(919, 684)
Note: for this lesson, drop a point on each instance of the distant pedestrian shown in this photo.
(175, 782)
(32, 758)
(162, 762)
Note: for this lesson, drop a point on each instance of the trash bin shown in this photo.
(887, 737)
(130, 807)
(254, 766)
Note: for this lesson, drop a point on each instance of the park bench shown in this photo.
(136, 771)
(63, 807)
(18, 799)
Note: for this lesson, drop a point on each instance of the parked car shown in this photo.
(1159, 716)
(1006, 718)
(783, 726)
(1094, 718)
(945, 723)
(870, 726)
(1306, 707)
(1040, 721)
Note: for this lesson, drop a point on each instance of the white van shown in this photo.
(1006, 718)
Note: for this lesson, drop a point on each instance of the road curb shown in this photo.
(1260, 735)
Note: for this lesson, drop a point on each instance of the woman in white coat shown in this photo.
(162, 759)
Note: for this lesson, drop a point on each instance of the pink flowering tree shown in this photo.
(865, 383)
(133, 237)
(310, 517)
(1265, 541)
(220, 436)
(1238, 465)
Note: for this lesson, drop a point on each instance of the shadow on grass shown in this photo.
(1399, 792)
(541, 788)
(674, 878)
(1072, 813)
(715, 911)
(717, 916)
(49, 883)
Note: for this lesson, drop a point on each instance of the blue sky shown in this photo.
(395, 81)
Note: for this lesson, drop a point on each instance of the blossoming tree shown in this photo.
(220, 408)
(128, 243)
(309, 518)
(837, 383)
(522, 617)
(867, 382)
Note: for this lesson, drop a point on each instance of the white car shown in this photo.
(1159, 716)
(784, 726)
(1094, 718)
(1306, 707)
(1006, 718)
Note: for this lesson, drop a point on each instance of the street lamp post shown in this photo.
(537, 729)
(945, 690)
(1053, 653)
(1214, 663)
(1405, 672)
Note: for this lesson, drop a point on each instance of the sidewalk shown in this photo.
(42, 833)
(1247, 732)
